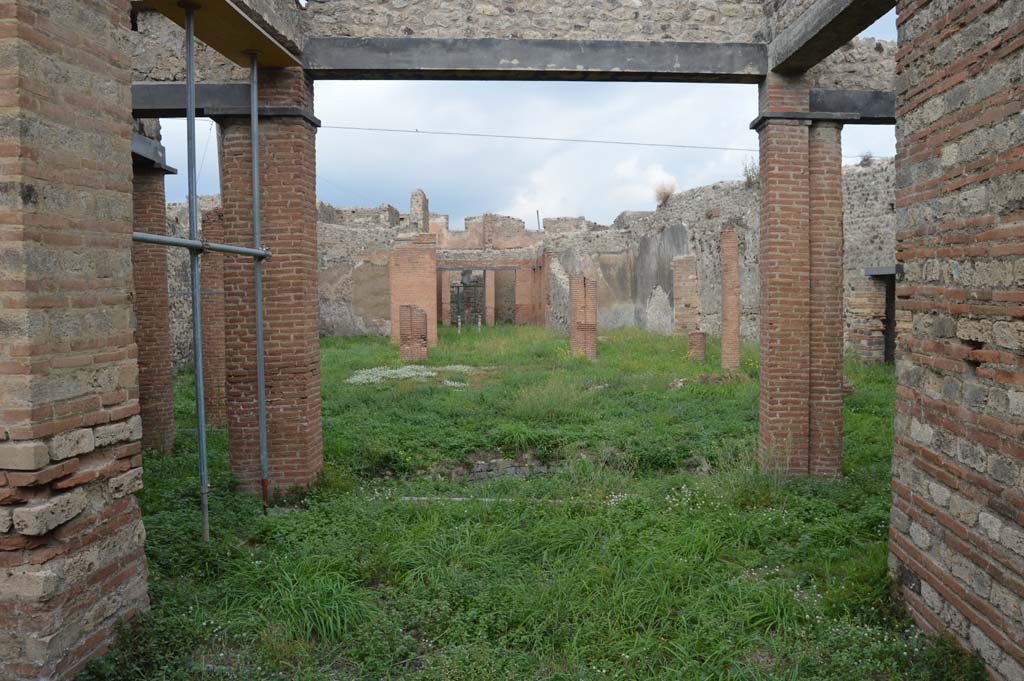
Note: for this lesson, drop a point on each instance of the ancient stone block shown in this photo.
(23, 456)
(39, 518)
(72, 443)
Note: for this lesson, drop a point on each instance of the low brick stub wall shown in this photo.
(957, 530)
(72, 566)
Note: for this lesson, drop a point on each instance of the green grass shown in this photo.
(622, 565)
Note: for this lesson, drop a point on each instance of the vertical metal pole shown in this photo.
(193, 233)
(261, 385)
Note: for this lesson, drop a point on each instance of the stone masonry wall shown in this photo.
(646, 20)
(157, 54)
(72, 566)
(957, 531)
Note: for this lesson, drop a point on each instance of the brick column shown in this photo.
(412, 269)
(412, 330)
(801, 285)
(826, 300)
(444, 292)
(72, 566)
(583, 316)
(490, 295)
(525, 294)
(152, 321)
(685, 294)
(730, 253)
(785, 280)
(212, 287)
(288, 196)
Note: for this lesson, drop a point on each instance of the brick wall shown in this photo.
(730, 250)
(583, 316)
(957, 531)
(152, 321)
(71, 559)
(288, 197)
(413, 272)
(211, 272)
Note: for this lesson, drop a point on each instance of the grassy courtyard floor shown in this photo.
(656, 552)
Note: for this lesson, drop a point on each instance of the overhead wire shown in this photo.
(538, 138)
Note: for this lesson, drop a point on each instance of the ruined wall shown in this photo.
(702, 213)
(957, 531)
(353, 269)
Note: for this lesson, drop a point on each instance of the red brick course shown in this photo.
(412, 325)
(212, 286)
(412, 271)
(730, 250)
(152, 321)
(292, 357)
(583, 316)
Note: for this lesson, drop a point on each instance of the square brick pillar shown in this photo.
(801, 285)
(685, 295)
(825, 157)
(444, 295)
(211, 273)
(412, 329)
(290, 300)
(583, 316)
(72, 566)
(152, 320)
(490, 296)
(785, 271)
(412, 271)
(730, 252)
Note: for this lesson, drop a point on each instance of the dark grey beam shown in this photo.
(512, 59)
(213, 100)
(167, 100)
(822, 29)
(148, 153)
(873, 107)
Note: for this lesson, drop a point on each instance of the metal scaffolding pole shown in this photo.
(254, 134)
(193, 234)
(198, 245)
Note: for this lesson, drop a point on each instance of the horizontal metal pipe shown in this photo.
(200, 246)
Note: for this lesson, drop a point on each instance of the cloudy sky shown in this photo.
(466, 176)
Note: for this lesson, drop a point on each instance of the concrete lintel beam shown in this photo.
(149, 153)
(514, 59)
(873, 107)
(167, 100)
(822, 29)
